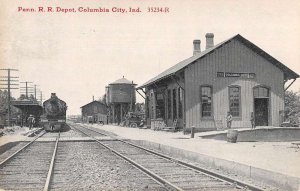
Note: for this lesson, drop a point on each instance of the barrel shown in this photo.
(232, 136)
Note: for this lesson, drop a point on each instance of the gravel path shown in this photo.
(88, 166)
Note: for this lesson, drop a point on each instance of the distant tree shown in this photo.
(22, 97)
(102, 99)
(292, 106)
(31, 97)
(4, 104)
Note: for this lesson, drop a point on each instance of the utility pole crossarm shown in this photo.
(10, 80)
(11, 69)
(7, 77)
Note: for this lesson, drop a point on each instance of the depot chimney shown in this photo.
(209, 40)
(197, 48)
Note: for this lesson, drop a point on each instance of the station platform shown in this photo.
(277, 161)
(259, 134)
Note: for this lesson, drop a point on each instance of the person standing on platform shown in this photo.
(31, 121)
(229, 120)
(252, 119)
(19, 120)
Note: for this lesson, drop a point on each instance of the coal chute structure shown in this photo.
(54, 114)
(121, 99)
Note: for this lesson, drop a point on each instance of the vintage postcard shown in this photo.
(149, 95)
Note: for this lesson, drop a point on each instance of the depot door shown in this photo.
(261, 106)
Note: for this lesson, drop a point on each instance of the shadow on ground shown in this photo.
(8, 146)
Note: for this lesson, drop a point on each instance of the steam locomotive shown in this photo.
(54, 114)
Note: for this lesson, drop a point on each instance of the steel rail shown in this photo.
(94, 130)
(161, 180)
(18, 151)
(49, 175)
(219, 176)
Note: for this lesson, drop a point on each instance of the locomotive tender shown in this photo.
(54, 114)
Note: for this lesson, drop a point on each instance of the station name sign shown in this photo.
(235, 75)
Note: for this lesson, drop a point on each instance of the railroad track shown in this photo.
(30, 167)
(93, 165)
(46, 164)
(173, 173)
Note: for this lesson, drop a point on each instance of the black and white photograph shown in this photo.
(152, 95)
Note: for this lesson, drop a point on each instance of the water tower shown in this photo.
(120, 97)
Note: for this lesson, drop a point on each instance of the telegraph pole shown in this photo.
(9, 84)
(26, 88)
(41, 97)
(35, 91)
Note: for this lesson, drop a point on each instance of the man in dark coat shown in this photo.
(31, 121)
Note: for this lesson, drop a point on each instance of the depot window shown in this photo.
(261, 92)
(206, 101)
(235, 100)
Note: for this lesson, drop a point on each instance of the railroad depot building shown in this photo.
(94, 112)
(234, 75)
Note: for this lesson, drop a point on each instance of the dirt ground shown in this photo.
(13, 134)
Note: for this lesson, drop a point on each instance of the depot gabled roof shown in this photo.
(183, 64)
(99, 102)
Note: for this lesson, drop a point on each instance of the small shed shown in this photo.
(94, 112)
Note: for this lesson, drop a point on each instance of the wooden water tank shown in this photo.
(121, 91)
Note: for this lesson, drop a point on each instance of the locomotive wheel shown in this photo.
(133, 125)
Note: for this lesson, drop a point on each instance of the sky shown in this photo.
(77, 54)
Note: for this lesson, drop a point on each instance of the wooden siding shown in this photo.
(121, 93)
(168, 84)
(232, 57)
(93, 108)
(171, 86)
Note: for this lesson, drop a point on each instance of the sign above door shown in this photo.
(235, 75)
